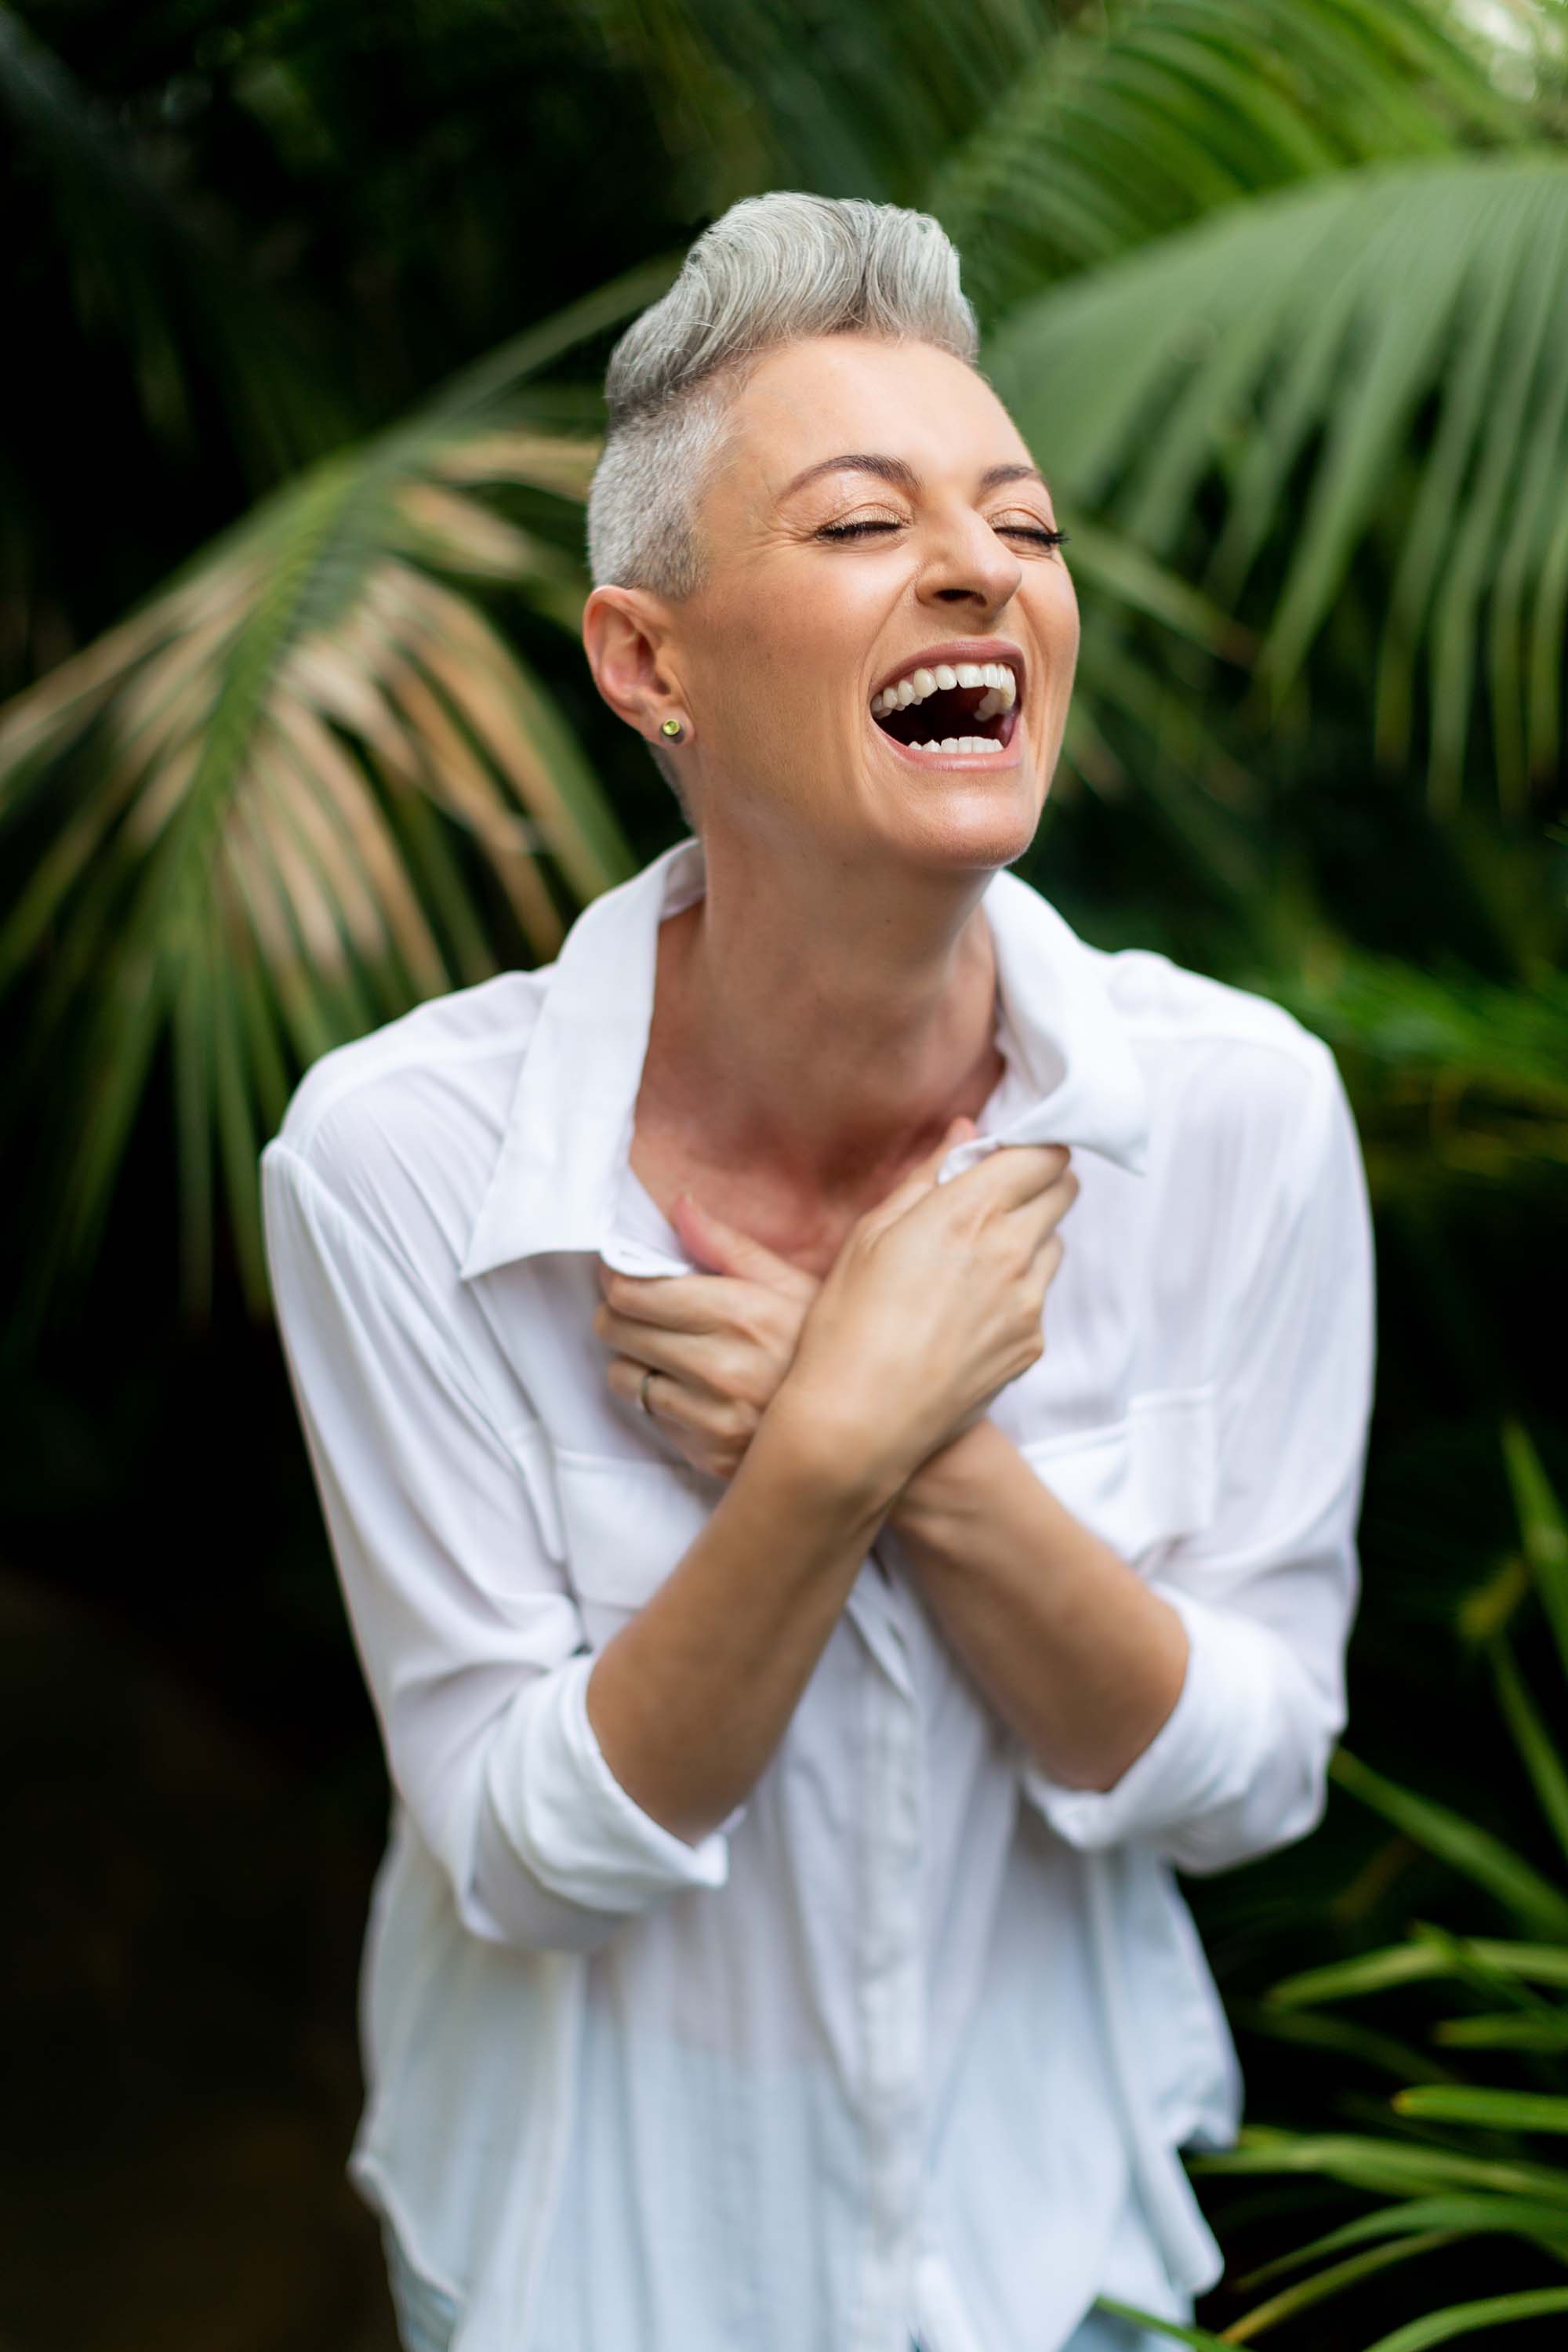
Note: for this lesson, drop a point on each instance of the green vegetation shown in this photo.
(313, 302)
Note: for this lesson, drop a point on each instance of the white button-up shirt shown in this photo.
(910, 2040)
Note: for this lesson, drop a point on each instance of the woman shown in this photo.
(840, 1410)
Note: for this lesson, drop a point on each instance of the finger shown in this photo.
(920, 1178)
(1046, 1208)
(715, 1243)
(674, 1302)
(668, 1398)
(698, 1424)
(689, 1355)
(1046, 1255)
(1017, 1173)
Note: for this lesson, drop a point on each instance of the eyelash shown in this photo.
(1014, 530)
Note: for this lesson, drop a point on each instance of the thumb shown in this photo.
(725, 1249)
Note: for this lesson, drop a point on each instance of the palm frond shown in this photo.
(1286, 356)
(1143, 117)
(753, 100)
(1438, 2183)
(248, 806)
(1456, 1074)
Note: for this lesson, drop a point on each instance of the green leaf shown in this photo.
(1534, 1901)
(1425, 288)
(1135, 120)
(1389, 2167)
(1459, 2102)
(235, 776)
(1308, 2027)
(1508, 2031)
(1543, 1529)
(1543, 2224)
(1332, 2281)
(1199, 2338)
(1414, 1962)
(1542, 1762)
(1469, 2318)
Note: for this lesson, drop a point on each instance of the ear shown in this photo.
(627, 637)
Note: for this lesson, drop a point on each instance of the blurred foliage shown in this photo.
(1454, 2161)
(313, 302)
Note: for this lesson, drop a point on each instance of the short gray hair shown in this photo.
(770, 270)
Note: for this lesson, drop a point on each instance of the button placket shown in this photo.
(893, 1995)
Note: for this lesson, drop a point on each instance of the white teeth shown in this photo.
(1000, 687)
(979, 745)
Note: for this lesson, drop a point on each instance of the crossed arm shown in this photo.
(473, 1648)
(1195, 1706)
(1079, 1656)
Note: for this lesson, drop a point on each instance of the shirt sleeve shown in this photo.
(1269, 1590)
(472, 1646)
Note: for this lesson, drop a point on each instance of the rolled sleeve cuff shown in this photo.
(1205, 1754)
(570, 1820)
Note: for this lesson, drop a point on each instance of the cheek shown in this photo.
(783, 671)
(1056, 620)
(1056, 604)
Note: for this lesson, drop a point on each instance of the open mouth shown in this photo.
(956, 708)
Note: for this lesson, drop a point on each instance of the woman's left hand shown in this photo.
(719, 1342)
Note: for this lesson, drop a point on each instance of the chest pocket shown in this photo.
(1143, 1483)
(625, 1524)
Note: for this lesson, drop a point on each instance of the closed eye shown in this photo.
(1036, 531)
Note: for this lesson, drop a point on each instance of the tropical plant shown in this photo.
(1271, 283)
(235, 791)
(1459, 2160)
(222, 811)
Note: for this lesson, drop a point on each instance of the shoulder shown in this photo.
(405, 1122)
(1225, 1065)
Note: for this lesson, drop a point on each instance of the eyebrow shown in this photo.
(902, 475)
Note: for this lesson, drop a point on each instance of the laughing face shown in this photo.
(880, 655)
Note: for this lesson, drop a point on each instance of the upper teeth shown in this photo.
(1002, 687)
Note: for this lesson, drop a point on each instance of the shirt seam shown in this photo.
(390, 1064)
(477, 1391)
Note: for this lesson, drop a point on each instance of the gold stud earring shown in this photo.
(671, 728)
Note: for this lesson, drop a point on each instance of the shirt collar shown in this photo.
(557, 1178)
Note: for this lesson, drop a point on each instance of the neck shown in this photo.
(822, 1021)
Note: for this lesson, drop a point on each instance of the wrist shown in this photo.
(830, 1450)
(949, 1484)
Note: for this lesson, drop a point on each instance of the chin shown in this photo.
(968, 828)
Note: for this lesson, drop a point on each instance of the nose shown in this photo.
(968, 564)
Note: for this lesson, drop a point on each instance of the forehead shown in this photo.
(811, 400)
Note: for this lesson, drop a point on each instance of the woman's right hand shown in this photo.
(933, 1304)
